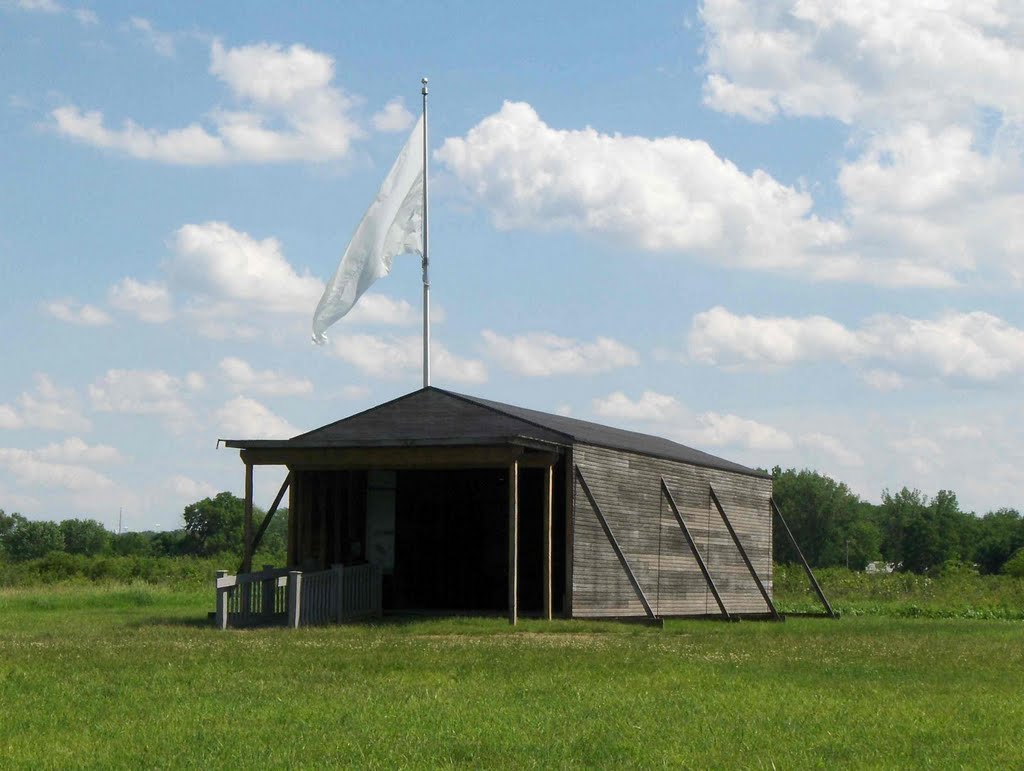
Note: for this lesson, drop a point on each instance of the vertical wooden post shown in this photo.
(222, 603)
(247, 555)
(339, 555)
(294, 598)
(339, 572)
(267, 601)
(352, 525)
(513, 542)
(293, 521)
(324, 505)
(377, 589)
(549, 483)
(570, 531)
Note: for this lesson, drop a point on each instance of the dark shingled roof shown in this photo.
(371, 428)
(585, 432)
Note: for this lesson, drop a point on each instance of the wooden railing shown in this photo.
(294, 598)
(251, 599)
(340, 594)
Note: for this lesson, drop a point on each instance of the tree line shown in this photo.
(211, 526)
(908, 530)
(833, 526)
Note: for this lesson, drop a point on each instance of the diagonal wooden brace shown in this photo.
(615, 544)
(693, 547)
(743, 554)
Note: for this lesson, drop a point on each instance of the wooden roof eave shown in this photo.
(412, 455)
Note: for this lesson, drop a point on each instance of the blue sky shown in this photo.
(784, 233)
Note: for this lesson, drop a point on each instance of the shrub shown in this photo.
(1015, 565)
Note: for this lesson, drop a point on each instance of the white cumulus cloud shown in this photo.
(720, 337)
(32, 470)
(75, 450)
(189, 489)
(974, 346)
(670, 194)
(664, 415)
(222, 265)
(716, 430)
(9, 417)
(393, 117)
(287, 109)
(650, 407)
(242, 377)
(74, 313)
(933, 94)
(542, 354)
(245, 418)
(875, 61)
(831, 446)
(390, 358)
(142, 392)
(147, 301)
(48, 406)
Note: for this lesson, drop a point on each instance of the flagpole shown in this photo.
(426, 257)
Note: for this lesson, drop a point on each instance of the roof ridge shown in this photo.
(361, 412)
(491, 405)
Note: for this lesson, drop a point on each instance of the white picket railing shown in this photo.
(249, 599)
(295, 598)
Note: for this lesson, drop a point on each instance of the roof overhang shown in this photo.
(418, 456)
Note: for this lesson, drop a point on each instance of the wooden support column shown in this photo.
(293, 519)
(247, 554)
(324, 506)
(549, 484)
(570, 516)
(513, 542)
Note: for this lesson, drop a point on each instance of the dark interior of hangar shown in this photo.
(440, 536)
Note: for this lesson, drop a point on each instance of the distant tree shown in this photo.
(8, 522)
(275, 539)
(857, 541)
(920, 534)
(999, 535)
(824, 515)
(85, 536)
(31, 539)
(172, 543)
(131, 544)
(216, 523)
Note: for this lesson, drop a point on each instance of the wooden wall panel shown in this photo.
(627, 488)
(601, 587)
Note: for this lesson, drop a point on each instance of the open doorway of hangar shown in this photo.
(440, 536)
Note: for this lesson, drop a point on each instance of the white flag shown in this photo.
(393, 225)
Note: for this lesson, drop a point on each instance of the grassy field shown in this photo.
(954, 593)
(133, 676)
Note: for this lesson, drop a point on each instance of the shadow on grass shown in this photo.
(192, 622)
(428, 623)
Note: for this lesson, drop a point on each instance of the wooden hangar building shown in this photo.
(471, 505)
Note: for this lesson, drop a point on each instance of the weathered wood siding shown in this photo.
(627, 487)
(427, 415)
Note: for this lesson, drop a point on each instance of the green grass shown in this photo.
(954, 593)
(133, 676)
